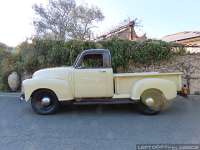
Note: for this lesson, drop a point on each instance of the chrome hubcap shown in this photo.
(149, 102)
(45, 101)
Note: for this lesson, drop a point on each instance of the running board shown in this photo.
(102, 101)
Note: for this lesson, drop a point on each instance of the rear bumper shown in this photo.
(181, 93)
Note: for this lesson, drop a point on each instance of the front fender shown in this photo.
(60, 87)
(168, 88)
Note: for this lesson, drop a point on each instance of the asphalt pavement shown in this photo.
(109, 127)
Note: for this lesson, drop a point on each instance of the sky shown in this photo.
(157, 17)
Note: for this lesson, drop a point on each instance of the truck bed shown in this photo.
(124, 81)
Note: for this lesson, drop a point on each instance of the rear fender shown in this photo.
(168, 88)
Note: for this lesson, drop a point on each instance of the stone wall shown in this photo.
(192, 49)
(189, 64)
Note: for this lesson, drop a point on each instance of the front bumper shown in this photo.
(22, 96)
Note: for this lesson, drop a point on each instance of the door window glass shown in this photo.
(92, 61)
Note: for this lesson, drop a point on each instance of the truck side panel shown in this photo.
(124, 82)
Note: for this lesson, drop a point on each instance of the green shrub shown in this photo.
(75, 47)
(9, 63)
(149, 52)
(142, 52)
(48, 53)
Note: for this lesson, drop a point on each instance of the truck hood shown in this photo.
(53, 73)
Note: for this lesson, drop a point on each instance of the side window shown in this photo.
(92, 61)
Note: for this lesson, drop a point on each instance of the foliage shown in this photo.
(143, 52)
(50, 53)
(9, 63)
(121, 51)
(149, 52)
(63, 19)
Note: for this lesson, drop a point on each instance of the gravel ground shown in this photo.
(117, 127)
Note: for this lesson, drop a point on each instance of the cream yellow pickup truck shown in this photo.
(91, 81)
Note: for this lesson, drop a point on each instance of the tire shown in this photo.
(159, 102)
(44, 102)
(143, 109)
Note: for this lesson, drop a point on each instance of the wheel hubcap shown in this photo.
(149, 102)
(45, 101)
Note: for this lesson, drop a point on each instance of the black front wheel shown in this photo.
(44, 102)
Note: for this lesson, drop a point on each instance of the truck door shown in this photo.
(92, 78)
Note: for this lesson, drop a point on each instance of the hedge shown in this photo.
(30, 57)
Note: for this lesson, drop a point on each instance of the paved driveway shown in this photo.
(95, 127)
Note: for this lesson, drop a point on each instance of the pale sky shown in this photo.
(158, 17)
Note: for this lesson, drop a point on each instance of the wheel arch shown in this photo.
(43, 89)
(40, 106)
(156, 89)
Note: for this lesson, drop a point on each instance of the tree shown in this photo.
(84, 18)
(63, 19)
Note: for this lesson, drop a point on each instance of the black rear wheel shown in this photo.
(152, 102)
(44, 102)
(146, 110)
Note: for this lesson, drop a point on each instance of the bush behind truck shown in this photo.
(29, 57)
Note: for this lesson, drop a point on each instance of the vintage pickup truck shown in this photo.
(91, 81)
